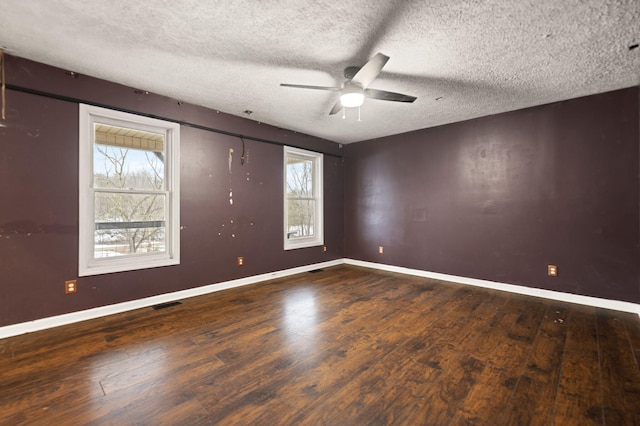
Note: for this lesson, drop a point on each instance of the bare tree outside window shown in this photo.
(129, 201)
(301, 206)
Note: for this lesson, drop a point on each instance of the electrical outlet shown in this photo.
(240, 261)
(70, 287)
(381, 250)
(552, 270)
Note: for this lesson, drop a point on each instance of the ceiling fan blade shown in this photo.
(388, 96)
(370, 70)
(304, 86)
(336, 108)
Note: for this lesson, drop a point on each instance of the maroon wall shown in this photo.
(39, 198)
(501, 197)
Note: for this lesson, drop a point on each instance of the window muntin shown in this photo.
(303, 224)
(129, 192)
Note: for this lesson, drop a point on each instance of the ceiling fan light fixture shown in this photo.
(352, 100)
(352, 97)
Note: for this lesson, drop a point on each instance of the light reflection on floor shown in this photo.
(119, 371)
(300, 317)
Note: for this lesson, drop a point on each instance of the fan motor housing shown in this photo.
(350, 72)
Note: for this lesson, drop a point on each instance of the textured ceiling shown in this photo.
(462, 59)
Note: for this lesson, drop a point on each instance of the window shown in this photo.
(303, 222)
(129, 192)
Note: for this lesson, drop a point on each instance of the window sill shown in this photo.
(111, 265)
(302, 243)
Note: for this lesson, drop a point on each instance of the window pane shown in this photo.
(300, 218)
(299, 177)
(129, 224)
(118, 167)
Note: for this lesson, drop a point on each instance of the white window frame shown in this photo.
(318, 195)
(88, 264)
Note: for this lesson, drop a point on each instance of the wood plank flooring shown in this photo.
(343, 346)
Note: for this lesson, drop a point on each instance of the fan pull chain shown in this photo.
(359, 113)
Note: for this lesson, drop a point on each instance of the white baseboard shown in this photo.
(529, 291)
(50, 322)
(58, 320)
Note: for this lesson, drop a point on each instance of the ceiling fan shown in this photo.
(356, 86)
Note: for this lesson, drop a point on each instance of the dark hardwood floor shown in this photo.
(344, 346)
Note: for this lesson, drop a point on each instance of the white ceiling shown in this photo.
(479, 57)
